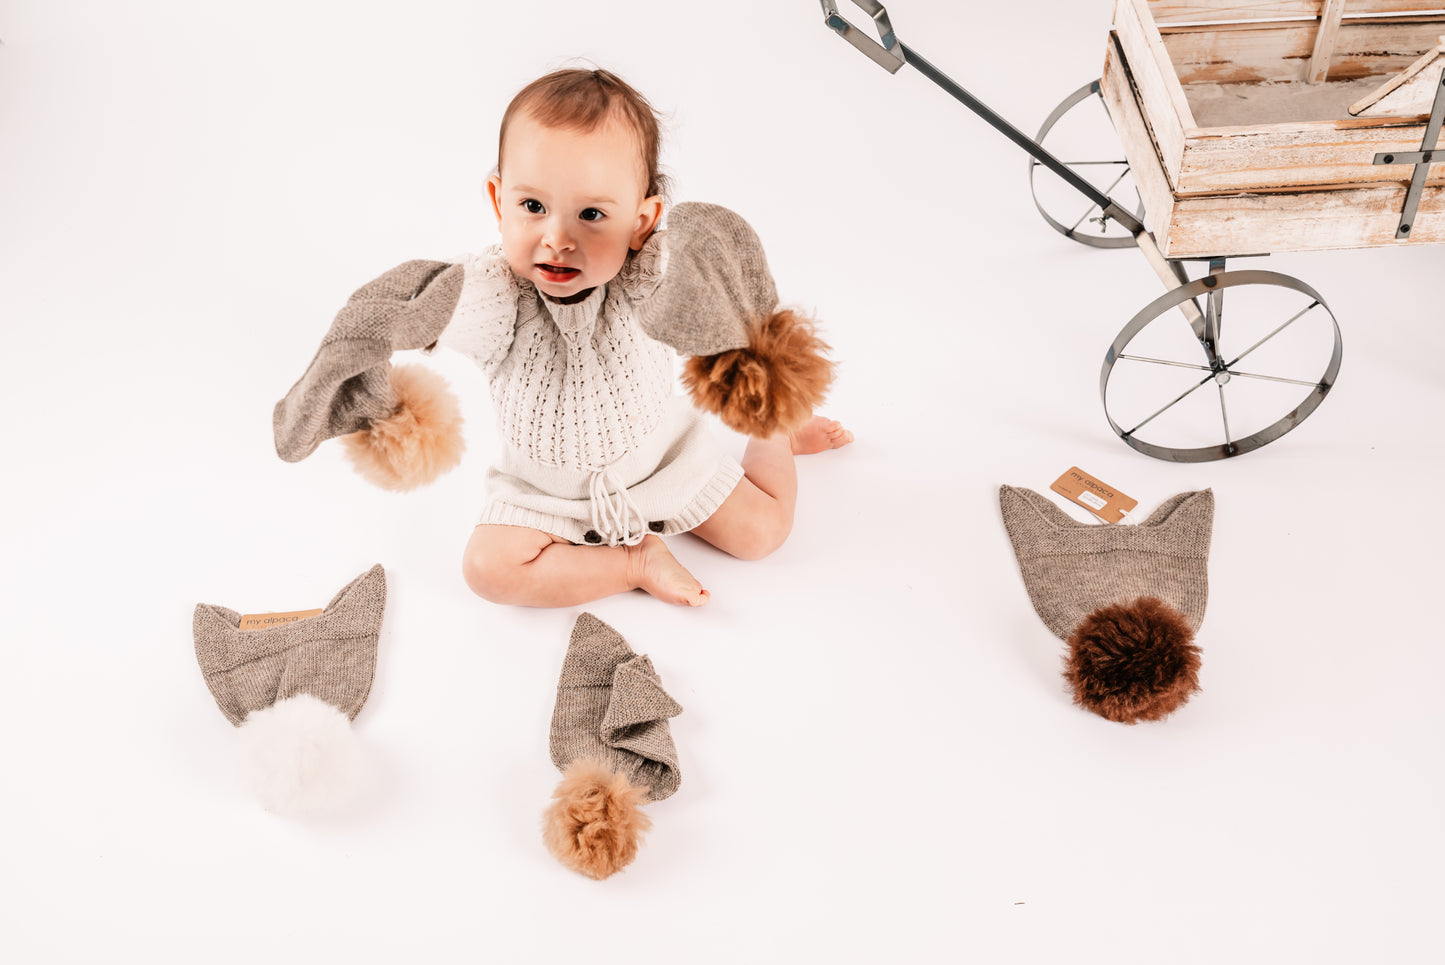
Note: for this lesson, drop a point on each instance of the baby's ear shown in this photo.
(648, 215)
(494, 191)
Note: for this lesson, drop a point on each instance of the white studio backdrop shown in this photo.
(880, 760)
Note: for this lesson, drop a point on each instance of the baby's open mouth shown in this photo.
(560, 272)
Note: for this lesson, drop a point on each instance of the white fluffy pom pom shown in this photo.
(298, 755)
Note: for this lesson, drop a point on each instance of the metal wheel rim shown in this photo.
(1168, 301)
(1066, 105)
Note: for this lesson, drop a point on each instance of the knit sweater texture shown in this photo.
(331, 656)
(611, 708)
(575, 386)
(1072, 568)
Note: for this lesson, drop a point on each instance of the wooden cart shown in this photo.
(1246, 128)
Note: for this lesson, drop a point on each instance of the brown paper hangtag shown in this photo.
(1101, 499)
(264, 621)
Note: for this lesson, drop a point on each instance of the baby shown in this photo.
(601, 458)
(577, 192)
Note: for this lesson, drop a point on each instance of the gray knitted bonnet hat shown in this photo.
(611, 740)
(1128, 599)
(292, 691)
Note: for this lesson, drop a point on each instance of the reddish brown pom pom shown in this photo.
(419, 441)
(593, 824)
(771, 386)
(1133, 663)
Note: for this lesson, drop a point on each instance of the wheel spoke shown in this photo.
(1272, 334)
(1182, 365)
(1274, 378)
(1224, 412)
(1171, 405)
(1094, 207)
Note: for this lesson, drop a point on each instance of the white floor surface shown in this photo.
(881, 763)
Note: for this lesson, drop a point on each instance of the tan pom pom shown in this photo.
(1133, 663)
(419, 441)
(594, 824)
(771, 386)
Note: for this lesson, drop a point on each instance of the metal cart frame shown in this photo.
(1200, 300)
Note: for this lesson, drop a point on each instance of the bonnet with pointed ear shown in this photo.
(402, 426)
(292, 691)
(760, 368)
(611, 741)
(1128, 599)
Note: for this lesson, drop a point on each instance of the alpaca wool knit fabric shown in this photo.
(716, 287)
(331, 656)
(1071, 569)
(347, 386)
(611, 709)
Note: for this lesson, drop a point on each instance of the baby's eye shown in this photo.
(591, 214)
(533, 206)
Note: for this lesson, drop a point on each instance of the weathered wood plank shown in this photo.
(1412, 91)
(1236, 55)
(1324, 49)
(1274, 156)
(1368, 49)
(1169, 12)
(1371, 8)
(1274, 53)
(1165, 107)
(1303, 221)
(1121, 100)
(1210, 11)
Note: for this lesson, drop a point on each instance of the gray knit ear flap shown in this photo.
(1128, 599)
(611, 740)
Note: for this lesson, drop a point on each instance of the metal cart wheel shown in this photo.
(1203, 390)
(1081, 134)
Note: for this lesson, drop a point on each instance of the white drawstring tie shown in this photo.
(613, 511)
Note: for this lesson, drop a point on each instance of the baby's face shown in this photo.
(570, 205)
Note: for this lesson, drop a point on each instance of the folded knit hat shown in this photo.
(293, 690)
(762, 370)
(611, 741)
(403, 425)
(1128, 599)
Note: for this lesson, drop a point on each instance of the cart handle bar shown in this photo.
(892, 53)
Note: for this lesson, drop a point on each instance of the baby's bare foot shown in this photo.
(817, 435)
(653, 568)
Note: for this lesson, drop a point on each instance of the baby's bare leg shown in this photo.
(526, 567)
(757, 515)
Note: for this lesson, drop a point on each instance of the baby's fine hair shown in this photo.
(582, 100)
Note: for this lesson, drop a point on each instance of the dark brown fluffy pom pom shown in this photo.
(1132, 663)
(594, 824)
(771, 386)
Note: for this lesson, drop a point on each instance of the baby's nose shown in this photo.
(556, 236)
